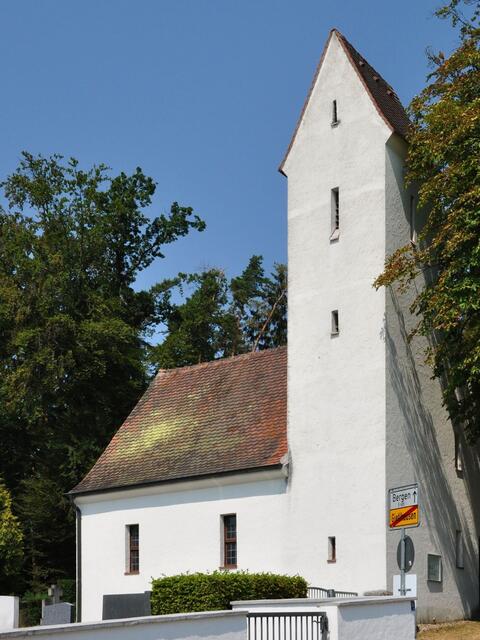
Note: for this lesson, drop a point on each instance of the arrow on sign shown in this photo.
(415, 496)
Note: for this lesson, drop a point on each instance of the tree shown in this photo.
(443, 159)
(11, 542)
(221, 318)
(73, 330)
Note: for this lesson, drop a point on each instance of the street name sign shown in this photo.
(403, 507)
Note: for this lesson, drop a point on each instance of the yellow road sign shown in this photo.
(404, 517)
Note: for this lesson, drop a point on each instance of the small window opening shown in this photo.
(413, 230)
(335, 119)
(230, 541)
(332, 549)
(335, 215)
(434, 568)
(458, 453)
(335, 325)
(133, 548)
(459, 549)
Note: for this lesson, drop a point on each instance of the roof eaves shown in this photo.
(125, 487)
(343, 44)
(307, 100)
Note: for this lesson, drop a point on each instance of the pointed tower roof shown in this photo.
(381, 93)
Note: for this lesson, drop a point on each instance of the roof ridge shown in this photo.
(219, 361)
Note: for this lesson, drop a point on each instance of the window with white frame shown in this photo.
(229, 523)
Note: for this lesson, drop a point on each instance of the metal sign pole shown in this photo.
(403, 591)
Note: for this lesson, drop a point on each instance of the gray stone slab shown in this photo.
(59, 613)
(126, 605)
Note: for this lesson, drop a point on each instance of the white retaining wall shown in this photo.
(217, 625)
(9, 608)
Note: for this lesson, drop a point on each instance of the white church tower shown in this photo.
(363, 414)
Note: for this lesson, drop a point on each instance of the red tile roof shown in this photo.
(381, 93)
(222, 416)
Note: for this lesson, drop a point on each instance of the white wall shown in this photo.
(180, 530)
(336, 386)
(9, 609)
(376, 620)
(219, 625)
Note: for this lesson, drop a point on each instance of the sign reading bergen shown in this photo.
(403, 507)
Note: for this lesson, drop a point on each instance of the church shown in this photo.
(282, 460)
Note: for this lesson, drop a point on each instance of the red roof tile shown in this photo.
(222, 416)
(384, 98)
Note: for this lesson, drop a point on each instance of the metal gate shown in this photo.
(287, 625)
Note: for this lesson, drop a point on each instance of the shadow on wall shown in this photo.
(423, 439)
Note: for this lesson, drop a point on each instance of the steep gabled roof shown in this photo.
(381, 93)
(222, 416)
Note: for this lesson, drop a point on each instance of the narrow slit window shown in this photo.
(459, 549)
(335, 204)
(332, 549)
(335, 119)
(413, 231)
(335, 324)
(230, 541)
(458, 454)
(133, 548)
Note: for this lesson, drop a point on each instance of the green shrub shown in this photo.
(214, 591)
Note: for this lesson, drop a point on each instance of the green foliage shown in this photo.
(443, 159)
(31, 608)
(73, 333)
(219, 317)
(11, 542)
(215, 591)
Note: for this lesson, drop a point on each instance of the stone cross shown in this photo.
(55, 593)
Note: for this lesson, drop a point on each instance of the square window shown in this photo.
(434, 568)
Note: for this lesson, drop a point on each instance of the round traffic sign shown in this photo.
(409, 554)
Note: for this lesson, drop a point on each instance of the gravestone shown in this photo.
(126, 605)
(55, 611)
(58, 613)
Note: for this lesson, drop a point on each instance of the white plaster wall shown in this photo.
(224, 625)
(420, 441)
(9, 609)
(180, 531)
(336, 386)
(375, 621)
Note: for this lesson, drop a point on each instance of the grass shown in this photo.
(451, 631)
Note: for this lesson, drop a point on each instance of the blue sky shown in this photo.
(202, 94)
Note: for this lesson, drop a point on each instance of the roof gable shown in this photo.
(384, 99)
(218, 417)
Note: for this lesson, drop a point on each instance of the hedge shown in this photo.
(214, 591)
